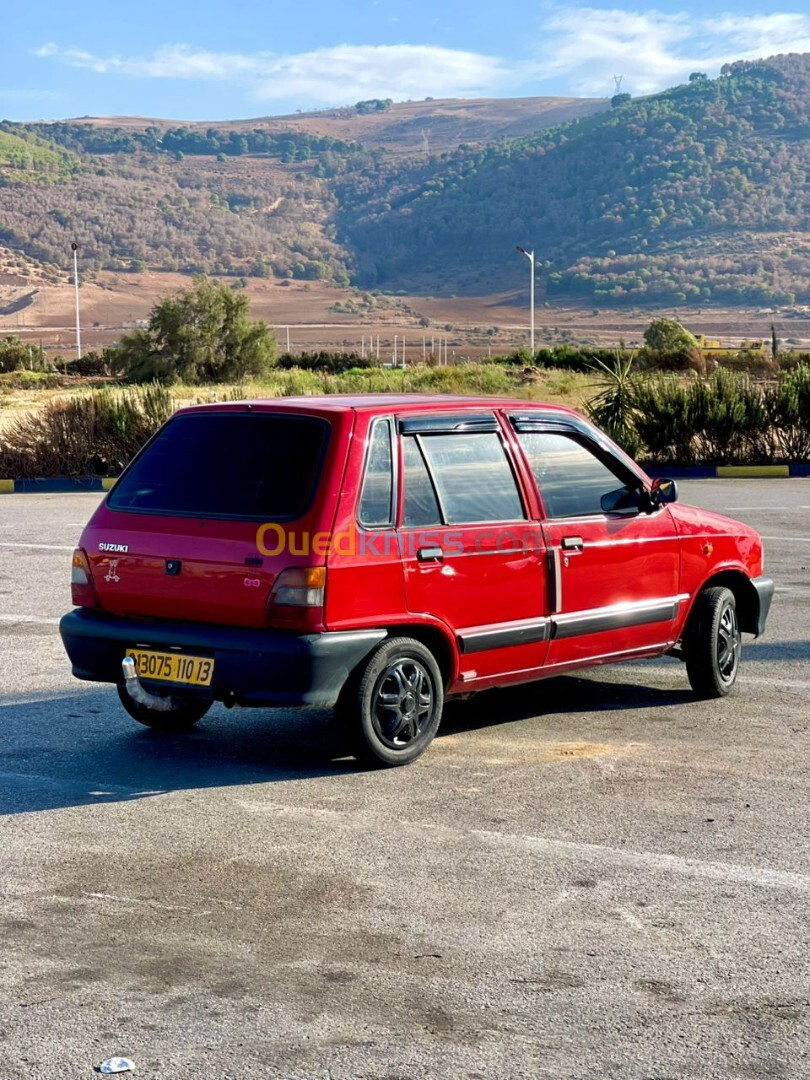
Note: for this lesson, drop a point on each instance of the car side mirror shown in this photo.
(622, 498)
(663, 491)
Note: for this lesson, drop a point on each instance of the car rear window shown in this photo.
(227, 464)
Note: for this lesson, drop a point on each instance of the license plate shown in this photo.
(173, 667)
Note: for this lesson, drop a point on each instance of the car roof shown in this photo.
(381, 403)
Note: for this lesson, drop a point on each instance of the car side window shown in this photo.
(571, 478)
(419, 503)
(473, 476)
(376, 506)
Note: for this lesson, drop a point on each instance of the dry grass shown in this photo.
(559, 387)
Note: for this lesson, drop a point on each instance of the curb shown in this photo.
(57, 485)
(727, 472)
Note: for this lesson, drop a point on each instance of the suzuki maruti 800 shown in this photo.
(382, 554)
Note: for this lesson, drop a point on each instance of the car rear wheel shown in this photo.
(183, 715)
(713, 643)
(391, 711)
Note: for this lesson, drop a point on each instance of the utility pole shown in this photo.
(403, 352)
(74, 247)
(288, 341)
(530, 256)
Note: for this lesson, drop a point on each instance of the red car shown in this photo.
(381, 554)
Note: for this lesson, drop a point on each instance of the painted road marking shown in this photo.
(35, 619)
(790, 539)
(43, 547)
(644, 860)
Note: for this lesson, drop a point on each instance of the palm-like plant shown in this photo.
(613, 409)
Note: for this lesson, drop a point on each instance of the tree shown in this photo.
(204, 334)
(15, 355)
(668, 336)
(698, 76)
(620, 99)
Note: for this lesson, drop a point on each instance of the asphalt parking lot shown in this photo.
(590, 877)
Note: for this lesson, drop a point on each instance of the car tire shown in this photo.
(713, 643)
(182, 717)
(391, 710)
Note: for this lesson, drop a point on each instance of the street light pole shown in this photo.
(530, 256)
(74, 247)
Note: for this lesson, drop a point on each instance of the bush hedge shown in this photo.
(95, 434)
(725, 419)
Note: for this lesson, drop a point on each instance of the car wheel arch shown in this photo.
(437, 640)
(745, 595)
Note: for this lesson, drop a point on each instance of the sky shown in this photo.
(209, 60)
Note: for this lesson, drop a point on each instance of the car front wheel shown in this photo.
(713, 643)
(392, 711)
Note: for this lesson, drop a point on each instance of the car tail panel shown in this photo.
(213, 510)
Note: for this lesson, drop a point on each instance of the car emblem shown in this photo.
(112, 571)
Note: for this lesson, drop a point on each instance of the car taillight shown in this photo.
(297, 597)
(82, 589)
(300, 587)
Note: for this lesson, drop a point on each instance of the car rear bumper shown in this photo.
(764, 588)
(251, 667)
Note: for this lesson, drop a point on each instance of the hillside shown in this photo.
(434, 125)
(252, 198)
(696, 193)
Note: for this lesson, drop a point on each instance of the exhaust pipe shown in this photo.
(137, 692)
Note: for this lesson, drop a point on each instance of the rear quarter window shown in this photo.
(229, 465)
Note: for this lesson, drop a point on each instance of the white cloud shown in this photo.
(578, 50)
(349, 72)
(328, 76)
(586, 46)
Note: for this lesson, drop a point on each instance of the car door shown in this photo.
(473, 560)
(614, 563)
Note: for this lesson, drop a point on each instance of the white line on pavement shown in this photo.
(652, 860)
(36, 619)
(45, 547)
(790, 539)
(776, 682)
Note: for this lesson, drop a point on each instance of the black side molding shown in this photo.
(504, 636)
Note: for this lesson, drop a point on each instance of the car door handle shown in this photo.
(430, 554)
(573, 543)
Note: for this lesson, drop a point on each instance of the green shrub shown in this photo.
(725, 419)
(91, 363)
(662, 420)
(32, 380)
(787, 405)
(15, 355)
(333, 363)
(204, 334)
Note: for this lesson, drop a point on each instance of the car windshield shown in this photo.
(227, 464)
